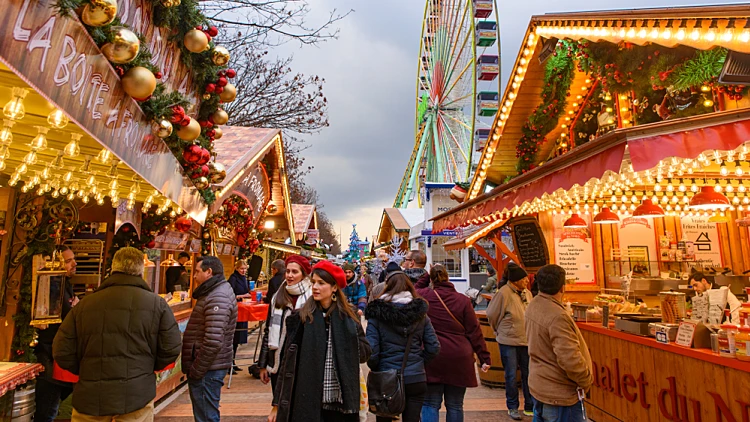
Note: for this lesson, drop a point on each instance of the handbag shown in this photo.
(386, 394)
(449, 311)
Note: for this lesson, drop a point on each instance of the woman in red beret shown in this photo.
(319, 373)
(293, 293)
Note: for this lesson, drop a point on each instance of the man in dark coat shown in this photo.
(207, 343)
(114, 340)
(414, 264)
(278, 271)
(50, 392)
(241, 288)
(174, 275)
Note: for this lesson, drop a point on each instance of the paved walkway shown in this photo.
(249, 400)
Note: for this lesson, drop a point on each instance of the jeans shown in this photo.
(549, 413)
(48, 398)
(513, 357)
(415, 393)
(454, 403)
(205, 394)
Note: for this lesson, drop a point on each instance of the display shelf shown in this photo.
(89, 255)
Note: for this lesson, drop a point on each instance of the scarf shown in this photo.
(276, 325)
(207, 286)
(331, 385)
(401, 298)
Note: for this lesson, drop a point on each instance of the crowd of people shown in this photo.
(417, 326)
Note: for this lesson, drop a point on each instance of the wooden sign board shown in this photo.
(528, 243)
(685, 333)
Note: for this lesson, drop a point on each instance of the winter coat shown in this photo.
(299, 389)
(356, 293)
(43, 349)
(273, 286)
(454, 365)
(174, 277)
(506, 315)
(559, 360)
(114, 340)
(240, 287)
(388, 327)
(207, 342)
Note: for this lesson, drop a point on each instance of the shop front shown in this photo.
(614, 159)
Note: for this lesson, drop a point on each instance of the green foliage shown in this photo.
(704, 67)
(67, 8)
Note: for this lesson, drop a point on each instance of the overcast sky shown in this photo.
(370, 74)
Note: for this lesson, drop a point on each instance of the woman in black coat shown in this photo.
(239, 284)
(396, 313)
(319, 372)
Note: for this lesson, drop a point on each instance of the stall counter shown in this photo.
(636, 378)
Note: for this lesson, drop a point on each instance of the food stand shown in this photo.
(634, 168)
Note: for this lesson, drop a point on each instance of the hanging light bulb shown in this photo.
(30, 158)
(58, 161)
(34, 180)
(91, 181)
(113, 184)
(6, 136)
(738, 168)
(73, 148)
(136, 188)
(14, 109)
(729, 188)
(104, 156)
(46, 173)
(112, 172)
(86, 166)
(71, 196)
(64, 190)
(682, 187)
(22, 168)
(85, 199)
(741, 187)
(723, 170)
(131, 205)
(57, 119)
(68, 176)
(40, 140)
(693, 186)
(2, 165)
(74, 187)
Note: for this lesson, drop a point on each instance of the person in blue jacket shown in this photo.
(391, 317)
(355, 290)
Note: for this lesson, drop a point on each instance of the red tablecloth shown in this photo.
(63, 375)
(253, 311)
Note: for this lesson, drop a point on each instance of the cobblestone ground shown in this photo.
(249, 400)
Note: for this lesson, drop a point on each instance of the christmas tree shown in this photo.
(352, 254)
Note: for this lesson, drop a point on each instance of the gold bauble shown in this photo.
(220, 56)
(220, 117)
(206, 96)
(196, 41)
(161, 128)
(190, 132)
(99, 12)
(218, 173)
(139, 83)
(228, 94)
(170, 3)
(218, 133)
(201, 183)
(124, 46)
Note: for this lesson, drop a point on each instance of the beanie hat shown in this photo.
(334, 270)
(516, 273)
(348, 267)
(392, 266)
(303, 262)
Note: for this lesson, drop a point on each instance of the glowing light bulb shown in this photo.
(666, 34)
(710, 35)
(40, 140)
(113, 184)
(30, 158)
(46, 173)
(15, 109)
(708, 103)
(680, 35)
(682, 187)
(657, 188)
(91, 181)
(745, 36)
(72, 149)
(57, 119)
(738, 171)
(724, 171)
(695, 35)
(6, 136)
(104, 156)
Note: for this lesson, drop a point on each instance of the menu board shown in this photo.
(574, 250)
(529, 243)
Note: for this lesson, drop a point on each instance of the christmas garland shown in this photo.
(152, 224)
(234, 214)
(167, 109)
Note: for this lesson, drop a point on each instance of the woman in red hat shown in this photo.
(292, 295)
(319, 373)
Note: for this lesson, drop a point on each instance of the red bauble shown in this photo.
(222, 82)
(158, 75)
(206, 123)
(231, 73)
(221, 73)
(185, 121)
(219, 89)
(211, 133)
(183, 224)
(151, 244)
(192, 153)
(213, 31)
(195, 175)
(205, 156)
(204, 170)
(210, 88)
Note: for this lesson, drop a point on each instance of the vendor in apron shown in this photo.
(701, 286)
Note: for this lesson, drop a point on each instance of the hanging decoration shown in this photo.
(236, 216)
(99, 12)
(123, 47)
(139, 83)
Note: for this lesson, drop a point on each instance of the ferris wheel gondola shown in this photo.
(457, 92)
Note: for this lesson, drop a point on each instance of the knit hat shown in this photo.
(348, 267)
(392, 266)
(516, 273)
(303, 262)
(334, 270)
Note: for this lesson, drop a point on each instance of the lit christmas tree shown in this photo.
(352, 255)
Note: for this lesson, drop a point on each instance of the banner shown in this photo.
(574, 250)
(256, 189)
(705, 238)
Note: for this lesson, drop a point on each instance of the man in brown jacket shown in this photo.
(560, 364)
(207, 342)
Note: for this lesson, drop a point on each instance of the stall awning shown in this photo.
(283, 247)
(471, 235)
(645, 146)
(304, 217)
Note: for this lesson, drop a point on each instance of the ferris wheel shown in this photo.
(457, 92)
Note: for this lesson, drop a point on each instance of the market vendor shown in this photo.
(177, 275)
(699, 283)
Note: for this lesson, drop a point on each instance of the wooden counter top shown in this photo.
(703, 354)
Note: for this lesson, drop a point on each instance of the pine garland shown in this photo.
(703, 68)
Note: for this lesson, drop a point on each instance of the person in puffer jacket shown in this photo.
(207, 342)
(391, 318)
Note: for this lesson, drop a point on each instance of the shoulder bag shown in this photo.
(386, 394)
(449, 311)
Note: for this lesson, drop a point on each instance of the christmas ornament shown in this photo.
(228, 94)
(170, 3)
(272, 208)
(231, 73)
(190, 132)
(201, 183)
(178, 113)
(99, 12)
(220, 56)
(205, 156)
(139, 83)
(196, 41)
(151, 244)
(192, 153)
(218, 173)
(183, 224)
(222, 81)
(220, 117)
(124, 46)
(161, 128)
(218, 133)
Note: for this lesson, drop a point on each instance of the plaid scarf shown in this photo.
(331, 386)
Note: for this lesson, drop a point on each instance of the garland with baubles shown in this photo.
(235, 214)
(189, 139)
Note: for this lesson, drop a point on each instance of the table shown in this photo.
(14, 374)
(251, 312)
